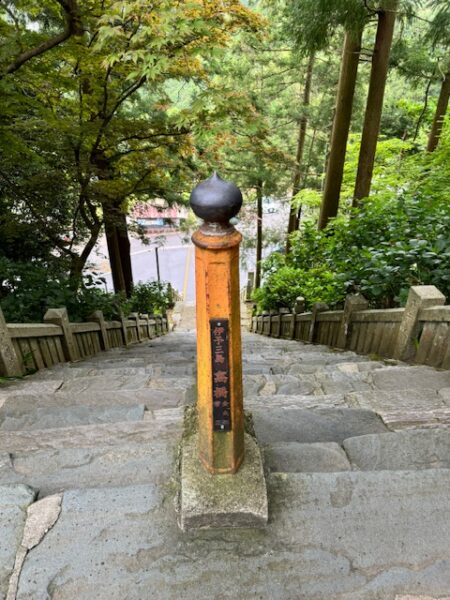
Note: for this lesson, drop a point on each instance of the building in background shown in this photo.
(158, 216)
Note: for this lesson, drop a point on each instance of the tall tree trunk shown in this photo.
(78, 261)
(341, 127)
(259, 218)
(116, 231)
(439, 115)
(374, 106)
(113, 251)
(300, 148)
(124, 249)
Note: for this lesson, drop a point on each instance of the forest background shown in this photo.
(337, 107)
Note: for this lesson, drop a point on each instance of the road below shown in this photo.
(176, 255)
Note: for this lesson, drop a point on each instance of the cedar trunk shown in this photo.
(439, 115)
(374, 106)
(341, 127)
(259, 218)
(293, 219)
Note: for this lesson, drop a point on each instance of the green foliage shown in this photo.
(311, 23)
(151, 298)
(398, 238)
(283, 286)
(29, 289)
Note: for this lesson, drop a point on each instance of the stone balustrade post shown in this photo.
(97, 317)
(299, 306)
(144, 316)
(250, 285)
(317, 308)
(10, 363)
(135, 317)
(353, 303)
(123, 323)
(219, 361)
(419, 297)
(59, 316)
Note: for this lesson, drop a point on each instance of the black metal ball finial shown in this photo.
(215, 200)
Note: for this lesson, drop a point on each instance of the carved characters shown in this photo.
(220, 375)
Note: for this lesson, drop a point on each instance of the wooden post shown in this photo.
(316, 309)
(219, 379)
(10, 364)
(353, 302)
(97, 317)
(59, 316)
(419, 297)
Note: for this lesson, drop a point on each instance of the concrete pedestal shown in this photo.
(229, 500)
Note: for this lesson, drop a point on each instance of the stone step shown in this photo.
(311, 401)
(124, 383)
(273, 425)
(292, 457)
(410, 377)
(14, 500)
(53, 471)
(402, 450)
(151, 398)
(16, 418)
(157, 423)
(399, 451)
(345, 535)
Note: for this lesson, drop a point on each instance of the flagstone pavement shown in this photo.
(356, 451)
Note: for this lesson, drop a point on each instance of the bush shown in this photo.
(27, 290)
(283, 286)
(398, 238)
(151, 298)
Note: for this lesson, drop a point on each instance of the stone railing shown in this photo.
(26, 347)
(419, 333)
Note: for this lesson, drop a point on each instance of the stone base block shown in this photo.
(215, 501)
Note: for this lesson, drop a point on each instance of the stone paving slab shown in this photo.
(410, 377)
(30, 385)
(405, 450)
(416, 418)
(379, 400)
(165, 397)
(158, 425)
(340, 536)
(336, 535)
(339, 382)
(54, 471)
(14, 500)
(52, 417)
(297, 401)
(310, 426)
(292, 457)
(111, 382)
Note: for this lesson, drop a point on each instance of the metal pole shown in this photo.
(157, 265)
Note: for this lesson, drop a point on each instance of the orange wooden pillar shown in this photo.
(219, 361)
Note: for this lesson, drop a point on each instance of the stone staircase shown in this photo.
(357, 454)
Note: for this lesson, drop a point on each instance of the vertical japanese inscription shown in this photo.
(220, 375)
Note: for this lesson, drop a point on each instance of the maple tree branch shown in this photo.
(73, 27)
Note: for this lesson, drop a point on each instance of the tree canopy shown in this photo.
(107, 104)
